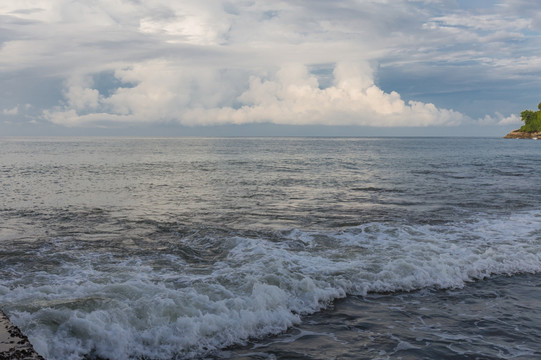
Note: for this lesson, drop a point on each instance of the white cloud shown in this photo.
(154, 91)
(188, 22)
(79, 96)
(294, 97)
(13, 111)
(244, 61)
(290, 96)
(499, 119)
(487, 22)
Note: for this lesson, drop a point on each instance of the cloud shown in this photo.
(188, 22)
(499, 119)
(13, 111)
(291, 95)
(522, 7)
(145, 92)
(285, 62)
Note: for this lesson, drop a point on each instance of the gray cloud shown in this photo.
(216, 62)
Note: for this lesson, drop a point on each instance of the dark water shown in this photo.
(493, 319)
(272, 248)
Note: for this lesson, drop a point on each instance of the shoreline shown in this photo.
(13, 343)
(517, 134)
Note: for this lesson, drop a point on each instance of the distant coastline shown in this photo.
(531, 128)
(517, 134)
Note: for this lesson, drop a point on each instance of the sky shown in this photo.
(257, 68)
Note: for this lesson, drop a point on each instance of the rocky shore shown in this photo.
(517, 134)
(14, 345)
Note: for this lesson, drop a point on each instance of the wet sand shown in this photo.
(13, 343)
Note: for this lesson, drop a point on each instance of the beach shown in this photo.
(13, 343)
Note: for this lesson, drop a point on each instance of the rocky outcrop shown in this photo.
(14, 344)
(517, 134)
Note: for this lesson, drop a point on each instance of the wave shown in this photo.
(162, 306)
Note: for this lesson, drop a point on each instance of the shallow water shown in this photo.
(497, 318)
(319, 248)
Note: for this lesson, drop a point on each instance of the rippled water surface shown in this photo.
(309, 248)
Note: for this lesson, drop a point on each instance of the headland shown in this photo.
(517, 134)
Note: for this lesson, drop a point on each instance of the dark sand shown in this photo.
(13, 343)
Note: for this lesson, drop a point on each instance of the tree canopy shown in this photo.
(532, 120)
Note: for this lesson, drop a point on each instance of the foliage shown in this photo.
(532, 120)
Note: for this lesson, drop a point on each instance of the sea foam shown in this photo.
(96, 305)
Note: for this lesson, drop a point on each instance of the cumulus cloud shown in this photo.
(79, 96)
(285, 62)
(151, 91)
(499, 119)
(291, 95)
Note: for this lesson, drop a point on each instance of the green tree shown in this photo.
(532, 120)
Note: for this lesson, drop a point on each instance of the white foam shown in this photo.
(120, 310)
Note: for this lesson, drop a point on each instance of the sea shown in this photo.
(272, 248)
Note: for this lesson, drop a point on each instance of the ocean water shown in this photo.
(272, 248)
